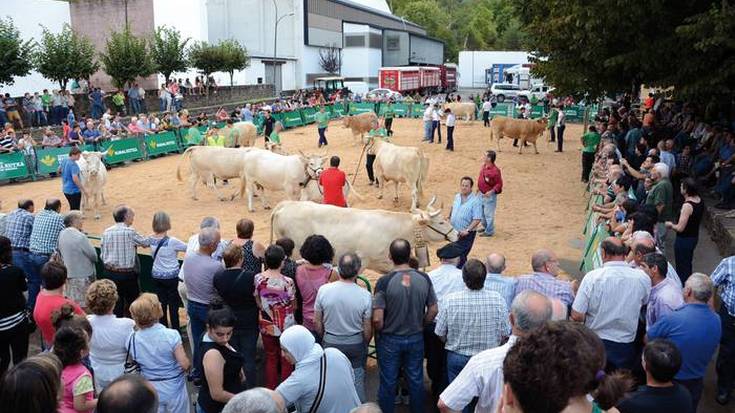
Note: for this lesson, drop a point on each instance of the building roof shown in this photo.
(373, 6)
(380, 5)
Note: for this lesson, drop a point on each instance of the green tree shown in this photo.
(168, 51)
(235, 57)
(126, 58)
(428, 14)
(65, 55)
(207, 58)
(15, 54)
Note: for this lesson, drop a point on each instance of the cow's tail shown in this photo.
(423, 172)
(276, 211)
(184, 156)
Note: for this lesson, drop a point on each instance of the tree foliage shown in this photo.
(330, 59)
(126, 58)
(65, 55)
(15, 53)
(168, 51)
(207, 58)
(234, 57)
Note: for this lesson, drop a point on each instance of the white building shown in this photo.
(286, 53)
(476, 67)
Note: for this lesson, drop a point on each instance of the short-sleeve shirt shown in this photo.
(153, 349)
(277, 295)
(463, 213)
(673, 399)
(404, 295)
(344, 307)
(76, 381)
(69, 168)
(590, 141)
(662, 193)
(309, 281)
(237, 289)
(166, 264)
(199, 270)
(333, 180)
(322, 119)
(666, 297)
(45, 305)
(275, 137)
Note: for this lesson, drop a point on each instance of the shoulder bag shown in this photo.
(322, 384)
(131, 366)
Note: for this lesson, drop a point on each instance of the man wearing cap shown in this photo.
(465, 216)
(447, 278)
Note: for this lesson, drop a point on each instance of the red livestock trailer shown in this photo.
(448, 78)
(400, 79)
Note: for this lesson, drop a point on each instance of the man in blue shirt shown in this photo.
(134, 99)
(246, 114)
(724, 278)
(465, 216)
(71, 183)
(92, 136)
(695, 329)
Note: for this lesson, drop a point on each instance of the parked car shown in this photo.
(502, 91)
(383, 94)
(539, 91)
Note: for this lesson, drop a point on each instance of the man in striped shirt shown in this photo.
(544, 279)
(723, 278)
(42, 243)
(18, 228)
(465, 216)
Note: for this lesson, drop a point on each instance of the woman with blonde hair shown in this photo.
(165, 272)
(160, 354)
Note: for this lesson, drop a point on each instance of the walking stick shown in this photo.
(359, 161)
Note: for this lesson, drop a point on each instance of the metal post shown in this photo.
(275, 43)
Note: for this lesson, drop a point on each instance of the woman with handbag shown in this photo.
(165, 272)
(158, 354)
(322, 380)
(13, 317)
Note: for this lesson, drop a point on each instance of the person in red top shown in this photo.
(490, 185)
(50, 299)
(333, 181)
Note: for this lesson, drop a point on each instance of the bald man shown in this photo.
(496, 281)
(129, 393)
(609, 302)
(643, 243)
(545, 265)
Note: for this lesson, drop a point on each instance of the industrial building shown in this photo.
(480, 69)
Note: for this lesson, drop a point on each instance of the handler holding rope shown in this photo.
(375, 132)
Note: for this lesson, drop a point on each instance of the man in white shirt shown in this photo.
(447, 278)
(482, 377)
(428, 135)
(486, 107)
(609, 302)
(451, 122)
(436, 117)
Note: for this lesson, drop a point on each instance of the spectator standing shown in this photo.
(51, 299)
(590, 140)
(342, 318)
(118, 101)
(451, 122)
(687, 228)
(333, 180)
(389, 114)
(486, 107)
(276, 298)
(79, 257)
(436, 117)
(661, 196)
(609, 301)
(482, 377)
(322, 120)
(133, 98)
(13, 318)
(471, 320)
(428, 131)
(561, 124)
(32, 386)
(314, 273)
(695, 330)
(108, 344)
(544, 279)
(71, 183)
(465, 217)
(257, 400)
(43, 242)
(404, 302)
(666, 295)
(268, 123)
(551, 123)
(661, 361)
(129, 393)
(490, 185)
(252, 251)
(11, 110)
(119, 256)
(70, 345)
(160, 354)
(723, 278)
(165, 270)
(289, 265)
(18, 228)
(236, 286)
(496, 281)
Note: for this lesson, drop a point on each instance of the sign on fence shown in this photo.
(122, 150)
(357, 108)
(13, 165)
(292, 119)
(338, 110)
(401, 110)
(502, 109)
(161, 143)
(49, 159)
(308, 115)
(417, 110)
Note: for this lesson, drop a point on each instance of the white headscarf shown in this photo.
(299, 341)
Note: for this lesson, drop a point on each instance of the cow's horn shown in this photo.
(431, 203)
(435, 213)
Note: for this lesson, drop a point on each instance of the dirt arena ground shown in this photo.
(542, 204)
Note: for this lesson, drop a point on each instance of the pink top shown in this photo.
(133, 128)
(309, 280)
(76, 380)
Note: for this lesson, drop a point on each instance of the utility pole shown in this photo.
(275, 40)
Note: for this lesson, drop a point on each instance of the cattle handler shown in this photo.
(375, 132)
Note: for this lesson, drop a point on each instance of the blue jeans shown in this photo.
(435, 126)
(455, 364)
(161, 105)
(396, 353)
(684, 255)
(22, 260)
(246, 342)
(134, 106)
(427, 130)
(466, 243)
(198, 321)
(488, 213)
(322, 136)
(34, 277)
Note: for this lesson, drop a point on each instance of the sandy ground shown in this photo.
(542, 204)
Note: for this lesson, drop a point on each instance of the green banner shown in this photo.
(357, 108)
(417, 110)
(502, 109)
(122, 150)
(574, 113)
(401, 110)
(537, 111)
(49, 159)
(188, 142)
(307, 114)
(292, 119)
(338, 110)
(13, 165)
(161, 143)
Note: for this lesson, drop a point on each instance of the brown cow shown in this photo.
(525, 130)
(360, 124)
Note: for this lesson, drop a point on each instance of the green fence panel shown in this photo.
(185, 141)
(122, 150)
(49, 159)
(537, 111)
(417, 110)
(278, 116)
(338, 110)
(357, 108)
(502, 109)
(308, 114)
(161, 143)
(13, 165)
(574, 113)
(292, 119)
(401, 110)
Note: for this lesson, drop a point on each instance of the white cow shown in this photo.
(367, 233)
(246, 133)
(399, 164)
(93, 174)
(462, 110)
(209, 162)
(264, 169)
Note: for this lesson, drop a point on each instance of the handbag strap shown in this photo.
(322, 384)
(163, 243)
(131, 344)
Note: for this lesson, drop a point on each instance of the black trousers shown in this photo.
(726, 356)
(436, 362)
(435, 126)
(13, 341)
(168, 294)
(560, 137)
(369, 166)
(695, 387)
(486, 119)
(588, 159)
(450, 138)
(75, 200)
(389, 126)
(127, 290)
